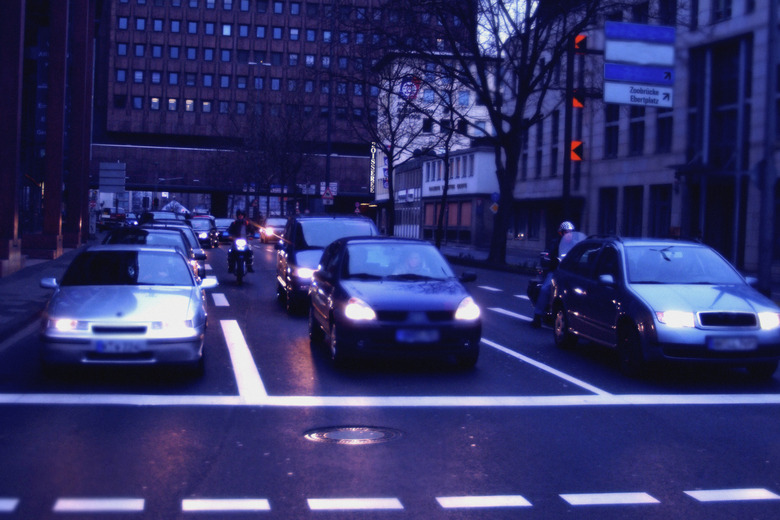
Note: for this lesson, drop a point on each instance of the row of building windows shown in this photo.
(241, 56)
(261, 6)
(245, 30)
(208, 106)
(460, 167)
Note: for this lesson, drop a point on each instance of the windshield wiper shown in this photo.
(364, 276)
(411, 276)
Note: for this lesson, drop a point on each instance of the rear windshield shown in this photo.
(128, 268)
(320, 233)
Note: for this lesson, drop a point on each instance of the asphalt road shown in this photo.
(273, 430)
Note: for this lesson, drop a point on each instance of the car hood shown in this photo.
(405, 295)
(694, 297)
(131, 303)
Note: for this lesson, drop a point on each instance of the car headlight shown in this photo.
(241, 244)
(769, 320)
(467, 309)
(359, 310)
(676, 319)
(304, 272)
(203, 235)
(67, 324)
(172, 325)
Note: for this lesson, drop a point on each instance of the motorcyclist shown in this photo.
(546, 289)
(241, 227)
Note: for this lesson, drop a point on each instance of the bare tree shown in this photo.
(510, 60)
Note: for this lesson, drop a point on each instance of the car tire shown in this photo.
(563, 337)
(468, 361)
(316, 334)
(336, 347)
(629, 349)
(281, 294)
(762, 371)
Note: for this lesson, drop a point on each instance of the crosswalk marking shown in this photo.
(98, 505)
(224, 504)
(730, 495)
(605, 499)
(8, 505)
(473, 502)
(353, 504)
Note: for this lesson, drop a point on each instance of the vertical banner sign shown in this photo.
(639, 64)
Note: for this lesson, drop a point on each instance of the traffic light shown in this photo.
(580, 43)
(577, 99)
(576, 150)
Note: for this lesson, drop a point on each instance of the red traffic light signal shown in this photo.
(576, 150)
(581, 42)
(577, 99)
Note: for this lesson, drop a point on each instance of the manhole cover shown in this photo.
(352, 435)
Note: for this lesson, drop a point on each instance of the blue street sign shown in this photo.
(639, 32)
(639, 74)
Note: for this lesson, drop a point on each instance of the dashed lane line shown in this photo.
(608, 499)
(489, 288)
(478, 502)
(98, 505)
(505, 312)
(224, 505)
(732, 495)
(220, 300)
(353, 504)
(8, 505)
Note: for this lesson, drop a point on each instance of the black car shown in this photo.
(300, 247)
(392, 296)
(206, 229)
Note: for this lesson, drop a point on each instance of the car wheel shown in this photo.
(629, 348)
(564, 338)
(290, 303)
(316, 334)
(281, 293)
(467, 361)
(336, 347)
(762, 371)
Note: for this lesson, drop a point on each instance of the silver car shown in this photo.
(126, 305)
(655, 300)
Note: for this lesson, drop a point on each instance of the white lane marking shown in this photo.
(729, 495)
(546, 368)
(250, 386)
(489, 288)
(509, 313)
(523, 297)
(353, 504)
(465, 502)
(498, 401)
(606, 499)
(8, 505)
(220, 300)
(225, 504)
(98, 505)
(207, 266)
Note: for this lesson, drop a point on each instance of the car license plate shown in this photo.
(111, 346)
(736, 343)
(417, 335)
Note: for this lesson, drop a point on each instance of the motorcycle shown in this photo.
(544, 266)
(240, 250)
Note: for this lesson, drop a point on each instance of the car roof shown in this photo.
(331, 217)
(384, 240)
(131, 247)
(643, 241)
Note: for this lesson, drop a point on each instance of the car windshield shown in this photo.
(144, 237)
(396, 261)
(128, 268)
(201, 224)
(681, 264)
(320, 233)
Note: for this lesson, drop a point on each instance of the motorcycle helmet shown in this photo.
(565, 227)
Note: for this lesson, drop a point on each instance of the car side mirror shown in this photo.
(468, 276)
(208, 283)
(49, 283)
(606, 279)
(199, 254)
